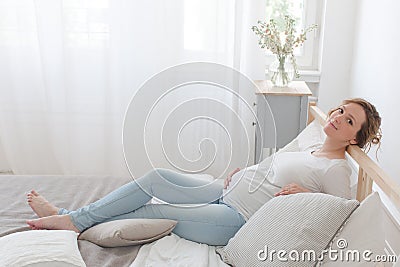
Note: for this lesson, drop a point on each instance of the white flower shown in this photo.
(283, 43)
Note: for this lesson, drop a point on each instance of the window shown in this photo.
(305, 12)
(206, 24)
(17, 23)
(86, 22)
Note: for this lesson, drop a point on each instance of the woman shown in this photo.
(355, 122)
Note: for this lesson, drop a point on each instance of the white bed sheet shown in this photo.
(173, 250)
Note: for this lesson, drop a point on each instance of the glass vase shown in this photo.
(281, 71)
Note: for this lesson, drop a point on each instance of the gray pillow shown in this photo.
(128, 232)
(285, 226)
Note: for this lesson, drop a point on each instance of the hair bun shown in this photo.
(375, 140)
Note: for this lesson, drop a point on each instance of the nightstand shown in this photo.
(289, 107)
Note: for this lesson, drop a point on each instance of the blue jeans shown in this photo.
(211, 222)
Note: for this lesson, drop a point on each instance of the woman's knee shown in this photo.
(159, 172)
(166, 176)
(154, 174)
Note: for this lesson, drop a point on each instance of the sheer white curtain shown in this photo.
(68, 69)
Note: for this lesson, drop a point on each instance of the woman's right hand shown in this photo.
(229, 177)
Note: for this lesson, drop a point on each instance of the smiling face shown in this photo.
(344, 123)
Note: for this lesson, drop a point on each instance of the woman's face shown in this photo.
(344, 123)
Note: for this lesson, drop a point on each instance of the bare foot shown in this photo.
(54, 222)
(40, 205)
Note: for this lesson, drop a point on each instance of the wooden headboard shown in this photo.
(368, 171)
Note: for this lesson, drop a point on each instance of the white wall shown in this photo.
(375, 72)
(361, 58)
(337, 48)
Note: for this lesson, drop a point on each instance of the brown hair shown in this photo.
(370, 132)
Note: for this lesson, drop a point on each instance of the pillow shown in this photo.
(56, 248)
(363, 231)
(312, 136)
(128, 232)
(288, 225)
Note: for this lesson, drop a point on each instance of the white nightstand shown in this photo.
(289, 106)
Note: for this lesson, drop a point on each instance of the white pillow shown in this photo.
(298, 222)
(312, 136)
(363, 231)
(56, 248)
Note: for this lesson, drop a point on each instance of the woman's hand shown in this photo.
(291, 189)
(229, 177)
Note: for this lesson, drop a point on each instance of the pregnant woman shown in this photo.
(216, 219)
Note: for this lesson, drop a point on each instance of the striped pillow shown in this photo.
(289, 230)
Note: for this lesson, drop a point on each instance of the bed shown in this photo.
(74, 191)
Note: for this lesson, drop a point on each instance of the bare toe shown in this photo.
(40, 205)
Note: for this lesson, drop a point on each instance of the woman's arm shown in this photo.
(292, 189)
(336, 182)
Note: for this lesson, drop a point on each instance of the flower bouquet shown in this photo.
(282, 44)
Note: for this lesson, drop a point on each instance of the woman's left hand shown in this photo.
(291, 189)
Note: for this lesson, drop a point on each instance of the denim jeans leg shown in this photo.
(212, 224)
(164, 184)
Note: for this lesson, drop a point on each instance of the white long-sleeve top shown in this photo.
(249, 189)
